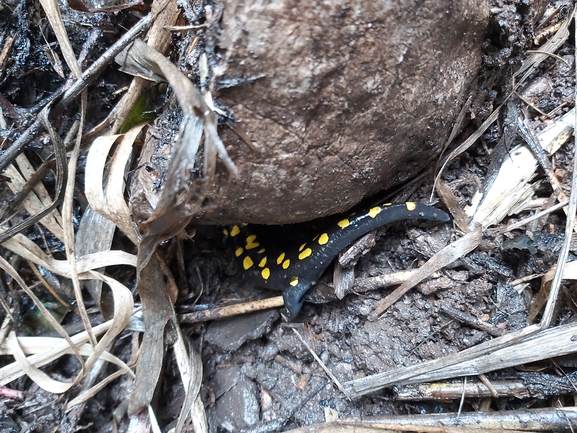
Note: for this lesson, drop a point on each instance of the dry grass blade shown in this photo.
(28, 250)
(549, 47)
(39, 377)
(25, 188)
(61, 347)
(115, 187)
(190, 367)
(569, 273)
(166, 14)
(443, 258)
(68, 225)
(35, 345)
(61, 175)
(111, 205)
(456, 128)
(511, 186)
(32, 202)
(181, 196)
(28, 173)
(151, 421)
(52, 11)
(95, 233)
(157, 310)
(123, 309)
(25, 366)
(87, 395)
(536, 216)
(94, 174)
(112, 209)
(123, 304)
(569, 227)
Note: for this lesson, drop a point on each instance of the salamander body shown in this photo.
(293, 265)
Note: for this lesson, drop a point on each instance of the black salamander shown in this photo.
(295, 268)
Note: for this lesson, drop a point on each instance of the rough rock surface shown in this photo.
(342, 99)
(237, 404)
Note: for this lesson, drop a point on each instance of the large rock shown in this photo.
(343, 99)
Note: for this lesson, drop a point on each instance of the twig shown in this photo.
(564, 253)
(321, 363)
(538, 215)
(472, 321)
(231, 310)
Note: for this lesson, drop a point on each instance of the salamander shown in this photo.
(294, 265)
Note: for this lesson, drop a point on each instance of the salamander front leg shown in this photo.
(294, 298)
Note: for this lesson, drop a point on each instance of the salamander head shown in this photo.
(294, 297)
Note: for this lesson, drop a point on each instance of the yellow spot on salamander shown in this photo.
(294, 281)
(280, 258)
(302, 246)
(238, 251)
(225, 231)
(388, 204)
(247, 263)
(323, 239)
(265, 273)
(343, 223)
(251, 242)
(234, 231)
(307, 252)
(261, 251)
(411, 205)
(286, 264)
(262, 263)
(374, 211)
